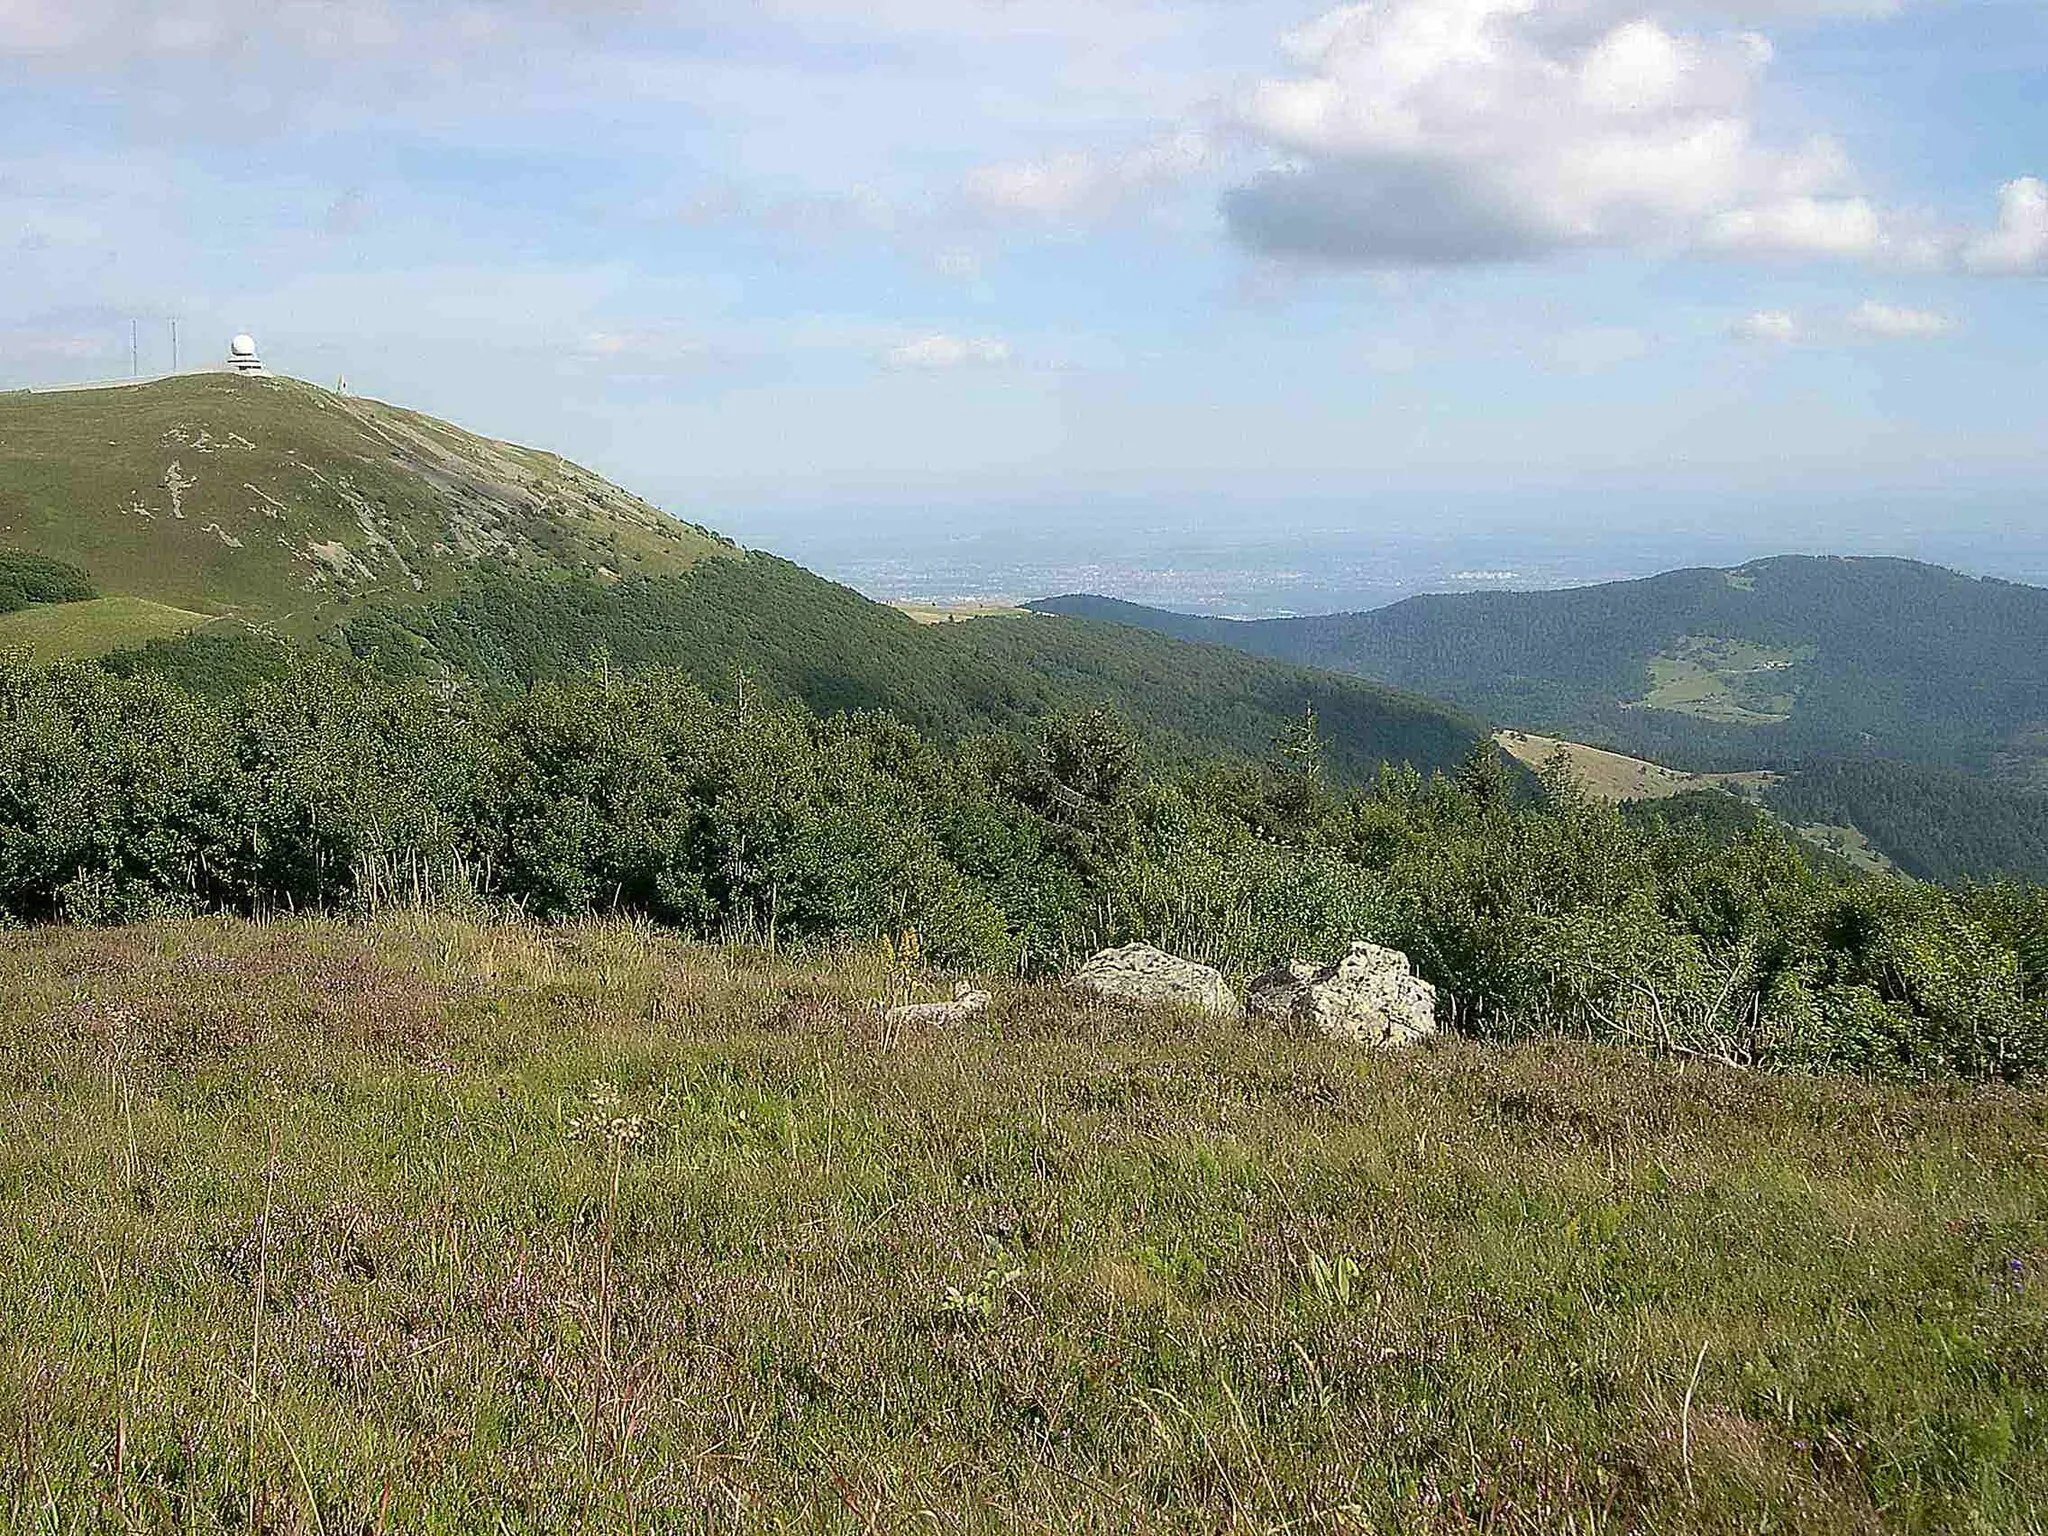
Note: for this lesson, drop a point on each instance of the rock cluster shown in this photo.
(1372, 996)
(1146, 977)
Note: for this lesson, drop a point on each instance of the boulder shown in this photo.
(1372, 997)
(1146, 977)
(1273, 994)
(968, 1000)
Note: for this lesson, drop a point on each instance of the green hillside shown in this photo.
(1769, 664)
(338, 523)
(1933, 823)
(285, 504)
(790, 632)
(92, 627)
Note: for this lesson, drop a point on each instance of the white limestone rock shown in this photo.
(968, 1000)
(1145, 977)
(1371, 997)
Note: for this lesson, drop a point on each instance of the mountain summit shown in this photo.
(281, 503)
(229, 504)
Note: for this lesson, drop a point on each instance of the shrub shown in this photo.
(26, 580)
(331, 788)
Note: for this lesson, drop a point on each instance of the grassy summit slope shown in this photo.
(1772, 662)
(426, 1226)
(278, 502)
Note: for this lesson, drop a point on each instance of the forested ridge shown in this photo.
(1934, 823)
(1874, 657)
(1914, 705)
(794, 635)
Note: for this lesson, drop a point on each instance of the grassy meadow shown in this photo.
(58, 632)
(429, 1225)
(280, 502)
(1616, 777)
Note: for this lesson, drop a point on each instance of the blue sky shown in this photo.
(765, 262)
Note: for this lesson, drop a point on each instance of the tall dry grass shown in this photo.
(430, 1224)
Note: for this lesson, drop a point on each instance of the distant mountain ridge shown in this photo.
(225, 506)
(1768, 664)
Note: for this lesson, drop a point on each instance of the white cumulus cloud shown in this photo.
(1889, 322)
(1774, 326)
(2020, 242)
(1079, 184)
(1447, 131)
(1800, 226)
(943, 351)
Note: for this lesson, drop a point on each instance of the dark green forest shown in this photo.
(328, 788)
(794, 635)
(1933, 823)
(1886, 658)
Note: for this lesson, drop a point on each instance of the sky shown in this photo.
(1747, 261)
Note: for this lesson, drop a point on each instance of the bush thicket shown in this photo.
(26, 580)
(122, 798)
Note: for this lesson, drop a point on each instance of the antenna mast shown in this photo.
(134, 349)
(174, 346)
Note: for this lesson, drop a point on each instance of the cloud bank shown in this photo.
(1444, 132)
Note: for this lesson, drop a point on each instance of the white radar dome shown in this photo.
(242, 346)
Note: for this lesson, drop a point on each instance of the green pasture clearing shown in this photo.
(1734, 682)
(1616, 777)
(54, 632)
(1847, 843)
(953, 613)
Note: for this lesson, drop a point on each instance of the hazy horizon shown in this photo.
(1271, 559)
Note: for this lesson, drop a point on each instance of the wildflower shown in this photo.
(605, 1124)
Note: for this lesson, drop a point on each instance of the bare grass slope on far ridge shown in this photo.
(83, 631)
(1616, 777)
